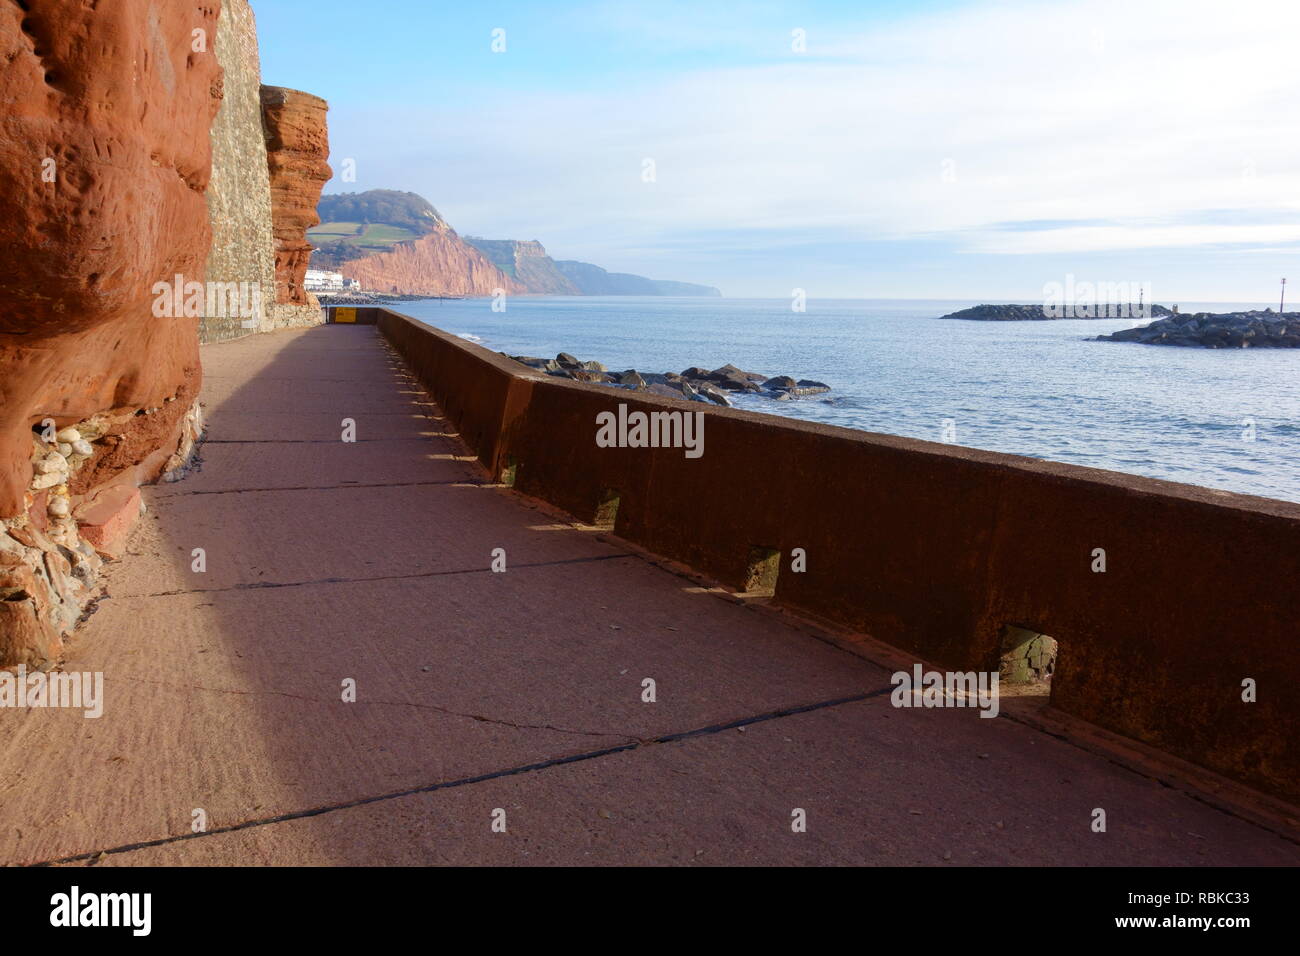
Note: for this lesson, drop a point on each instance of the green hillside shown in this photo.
(355, 225)
(372, 236)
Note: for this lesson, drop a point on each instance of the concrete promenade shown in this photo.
(370, 562)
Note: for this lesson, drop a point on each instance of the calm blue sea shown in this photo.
(1028, 388)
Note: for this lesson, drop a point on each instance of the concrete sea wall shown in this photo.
(937, 550)
(268, 166)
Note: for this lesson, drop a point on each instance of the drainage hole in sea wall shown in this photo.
(1028, 659)
(607, 509)
(761, 571)
(510, 472)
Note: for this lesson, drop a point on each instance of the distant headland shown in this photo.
(398, 243)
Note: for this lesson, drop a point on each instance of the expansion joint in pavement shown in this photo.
(265, 585)
(346, 485)
(634, 744)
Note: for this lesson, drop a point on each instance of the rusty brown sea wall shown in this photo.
(935, 549)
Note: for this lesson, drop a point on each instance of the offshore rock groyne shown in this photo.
(1209, 330)
(1039, 313)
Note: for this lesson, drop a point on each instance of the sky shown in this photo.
(964, 149)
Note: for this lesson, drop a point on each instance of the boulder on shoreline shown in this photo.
(373, 298)
(1038, 313)
(1209, 330)
(693, 384)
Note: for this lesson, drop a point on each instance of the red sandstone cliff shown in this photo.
(297, 142)
(440, 263)
(104, 159)
(104, 162)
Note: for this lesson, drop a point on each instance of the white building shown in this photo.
(318, 281)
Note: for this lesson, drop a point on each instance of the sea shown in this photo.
(1225, 419)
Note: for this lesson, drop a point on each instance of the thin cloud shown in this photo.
(1131, 114)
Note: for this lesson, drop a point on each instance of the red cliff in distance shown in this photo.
(439, 264)
(297, 142)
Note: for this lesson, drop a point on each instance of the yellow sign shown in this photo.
(345, 315)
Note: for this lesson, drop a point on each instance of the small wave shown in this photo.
(469, 337)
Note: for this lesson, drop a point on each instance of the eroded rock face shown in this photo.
(440, 263)
(104, 160)
(297, 146)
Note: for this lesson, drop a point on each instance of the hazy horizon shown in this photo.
(963, 150)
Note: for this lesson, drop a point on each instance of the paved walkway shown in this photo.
(477, 691)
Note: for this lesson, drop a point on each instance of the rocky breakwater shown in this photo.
(106, 159)
(1039, 313)
(297, 147)
(1210, 330)
(718, 386)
